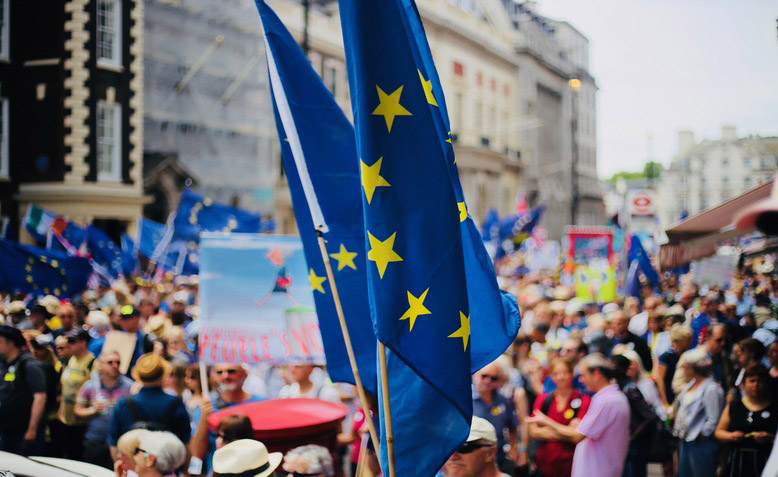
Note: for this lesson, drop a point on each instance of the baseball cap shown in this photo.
(480, 428)
(129, 310)
(12, 334)
(77, 334)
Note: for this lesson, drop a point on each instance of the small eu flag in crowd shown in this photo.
(197, 213)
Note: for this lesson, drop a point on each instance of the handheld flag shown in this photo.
(416, 269)
(639, 255)
(40, 271)
(197, 213)
(150, 234)
(104, 252)
(319, 153)
(37, 221)
(130, 263)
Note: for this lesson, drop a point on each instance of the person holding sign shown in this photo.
(565, 405)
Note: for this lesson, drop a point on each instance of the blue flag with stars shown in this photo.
(416, 248)
(104, 251)
(494, 313)
(130, 263)
(197, 213)
(638, 255)
(319, 152)
(150, 234)
(40, 271)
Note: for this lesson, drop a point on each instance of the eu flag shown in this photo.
(40, 271)
(416, 267)
(182, 257)
(319, 153)
(197, 213)
(150, 234)
(74, 234)
(639, 255)
(130, 264)
(104, 251)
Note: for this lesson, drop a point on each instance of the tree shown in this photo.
(652, 170)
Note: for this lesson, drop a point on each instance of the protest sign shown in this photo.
(124, 344)
(716, 271)
(256, 301)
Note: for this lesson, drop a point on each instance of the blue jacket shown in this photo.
(153, 402)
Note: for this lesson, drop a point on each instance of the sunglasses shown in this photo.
(140, 450)
(469, 447)
(300, 474)
(228, 371)
(491, 377)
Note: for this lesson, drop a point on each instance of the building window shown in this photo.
(4, 120)
(724, 162)
(747, 182)
(724, 182)
(331, 79)
(109, 32)
(746, 162)
(5, 26)
(459, 69)
(109, 150)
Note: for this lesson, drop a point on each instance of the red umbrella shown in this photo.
(283, 424)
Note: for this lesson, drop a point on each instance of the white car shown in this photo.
(12, 465)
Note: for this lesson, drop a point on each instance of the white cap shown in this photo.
(482, 429)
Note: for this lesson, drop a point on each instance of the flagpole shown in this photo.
(387, 408)
(347, 339)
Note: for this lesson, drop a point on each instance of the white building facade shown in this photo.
(704, 174)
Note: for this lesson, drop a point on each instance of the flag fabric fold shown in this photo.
(40, 271)
(103, 251)
(197, 213)
(639, 255)
(319, 154)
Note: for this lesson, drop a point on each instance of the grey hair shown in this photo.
(699, 361)
(318, 459)
(169, 451)
(598, 362)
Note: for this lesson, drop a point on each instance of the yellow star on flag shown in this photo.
(462, 211)
(415, 308)
(464, 329)
(56, 291)
(371, 178)
(316, 281)
(381, 252)
(449, 138)
(344, 258)
(427, 85)
(54, 263)
(28, 268)
(29, 278)
(389, 106)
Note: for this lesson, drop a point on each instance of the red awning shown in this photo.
(696, 237)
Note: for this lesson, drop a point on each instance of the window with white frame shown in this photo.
(5, 26)
(4, 120)
(109, 32)
(109, 150)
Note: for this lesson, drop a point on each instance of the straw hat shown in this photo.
(51, 303)
(245, 457)
(150, 367)
(158, 325)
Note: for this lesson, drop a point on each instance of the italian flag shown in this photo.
(38, 222)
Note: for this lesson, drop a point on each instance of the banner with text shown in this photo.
(256, 303)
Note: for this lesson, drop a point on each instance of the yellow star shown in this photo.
(54, 263)
(462, 211)
(464, 329)
(316, 281)
(427, 85)
(44, 259)
(415, 307)
(29, 278)
(56, 291)
(28, 268)
(390, 106)
(344, 258)
(207, 201)
(381, 252)
(371, 178)
(64, 287)
(46, 290)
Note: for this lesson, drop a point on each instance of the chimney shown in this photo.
(685, 141)
(728, 133)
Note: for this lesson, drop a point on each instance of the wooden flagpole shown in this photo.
(387, 408)
(347, 339)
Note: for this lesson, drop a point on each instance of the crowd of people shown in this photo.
(685, 377)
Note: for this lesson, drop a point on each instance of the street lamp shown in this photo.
(575, 85)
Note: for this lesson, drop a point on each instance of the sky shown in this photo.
(665, 65)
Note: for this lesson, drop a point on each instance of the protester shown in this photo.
(565, 405)
(18, 315)
(75, 374)
(232, 428)
(749, 424)
(22, 396)
(602, 436)
(159, 454)
(622, 335)
(96, 400)
(722, 369)
(477, 457)
(99, 324)
(67, 317)
(126, 447)
(644, 383)
(38, 315)
(699, 407)
(680, 340)
(245, 457)
(302, 386)
(489, 404)
(130, 324)
(151, 408)
(309, 460)
(229, 380)
(748, 353)
(42, 350)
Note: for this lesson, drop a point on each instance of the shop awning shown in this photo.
(697, 236)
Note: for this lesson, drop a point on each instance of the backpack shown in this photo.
(141, 421)
(15, 397)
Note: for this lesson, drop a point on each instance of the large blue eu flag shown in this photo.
(104, 251)
(40, 271)
(319, 153)
(416, 266)
(197, 213)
